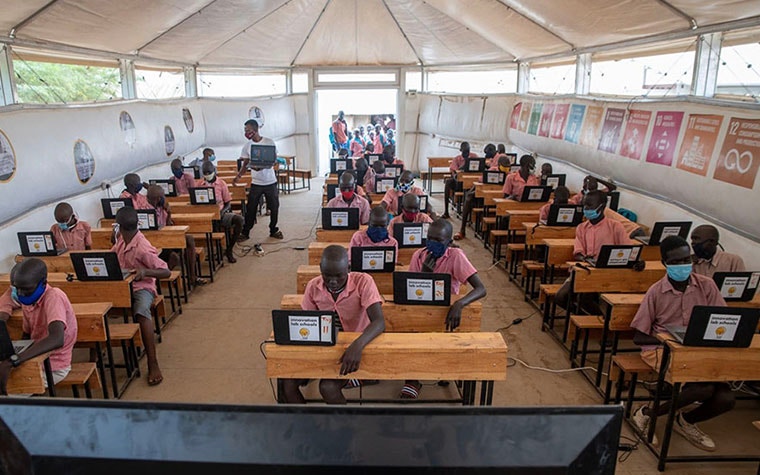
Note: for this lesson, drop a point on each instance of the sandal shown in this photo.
(410, 390)
(459, 236)
(356, 383)
(200, 281)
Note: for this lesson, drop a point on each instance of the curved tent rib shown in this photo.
(176, 25)
(545, 28)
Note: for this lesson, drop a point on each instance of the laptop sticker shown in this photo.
(440, 290)
(325, 334)
(754, 280)
(413, 236)
(116, 206)
(535, 194)
(670, 231)
(95, 267)
(36, 244)
(733, 287)
(339, 218)
(373, 260)
(722, 327)
(619, 257)
(565, 215)
(419, 289)
(389, 256)
(304, 328)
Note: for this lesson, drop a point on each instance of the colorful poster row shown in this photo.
(621, 131)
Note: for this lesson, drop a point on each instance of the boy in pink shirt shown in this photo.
(591, 183)
(182, 181)
(69, 232)
(708, 259)
(439, 257)
(452, 185)
(561, 197)
(357, 145)
(376, 234)
(468, 198)
(670, 302)
(354, 296)
(375, 172)
(49, 319)
(232, 223)
(136, 253)
(132, 187)
(349, 198)
(405, 186)
(516, 182)
(410, 212)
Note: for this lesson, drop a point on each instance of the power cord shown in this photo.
(517, 321)
(245, 250)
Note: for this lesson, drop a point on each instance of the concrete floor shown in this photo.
(210, 354)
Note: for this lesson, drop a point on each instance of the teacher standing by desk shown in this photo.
(263, 182)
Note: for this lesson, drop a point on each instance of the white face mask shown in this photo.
(210, 176)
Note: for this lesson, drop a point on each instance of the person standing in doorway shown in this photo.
(340, 131)
(263, 183)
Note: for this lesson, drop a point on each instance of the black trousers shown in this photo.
(272, 195)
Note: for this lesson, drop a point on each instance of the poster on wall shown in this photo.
(187, 118)
(635, 133)
(525, 116)
(535, 118)
(514, 119)
(84, 162)
(168, 141)
(613, 124)
(738, 159)
(662, 144)
(574, 123)
(127, 126)
(591, 125)
(559, 121)
(7, 158)
(257, 114)
(545, 123)
(699, 142)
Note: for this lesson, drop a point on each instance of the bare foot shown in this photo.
(154, 375)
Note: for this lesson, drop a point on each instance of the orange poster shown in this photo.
(591, 126)
(699, 142)
(524, 116)
(740, 155)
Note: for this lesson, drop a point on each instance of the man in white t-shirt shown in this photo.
(263, 182)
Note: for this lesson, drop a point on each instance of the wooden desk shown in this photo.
(558, 251)
(468, 179)
(467, 357)
(335, 235)
(435, 162)
(195, 222)
(61, 263)
(168, 237)
(649, 253)
(589, 279)
(412, 318)
(29, 377)
(482, 188)
(504, 204)
(179, 208)
(404, 256)
(118, 292)
(536, 234)
(383, 280)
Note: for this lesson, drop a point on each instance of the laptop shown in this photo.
(373, 157)
(616, 257)
(202, 195)
(38, 244)
(394, 171)
(613, 200)
(112, 205)
(727, 327)
(423, 205)
(493, 177)
(514, 168)
(536, 193)
(554, 180)
(146, 220)
(332, 191)
(512, 158)
(97, 266)
(340, 218)
(474, 165)
(195, 171)
(382, 185)
(421, 288)
(663, 229)
(410, 234)
(167, 185)
(373, 259)
(262, 156)
(305, 327)
(564, 215)
(8, 347)
(737, 286)
(338, 165)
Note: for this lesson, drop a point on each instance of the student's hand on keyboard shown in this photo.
(350, 359)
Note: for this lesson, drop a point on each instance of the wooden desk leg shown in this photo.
(603, 346)
(486, 393)
(660, 384)
(101, 367)
(280, 392)
(49, 377)
(668, 427)
(111, 363)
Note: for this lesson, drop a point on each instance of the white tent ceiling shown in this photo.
(285, 33)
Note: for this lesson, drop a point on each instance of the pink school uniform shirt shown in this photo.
(138, 201)
(663, 305)
(453, 262)
(392, 196)
(356, 202)
(458, 162)
(221, 191)
(420, 218)
(357, 147)
(514, 184)
(352, 304)
(139, 253)
(360, 239)
(720, 262)
(590, 238)
(53, 306)
(184, 183)
(73, 239)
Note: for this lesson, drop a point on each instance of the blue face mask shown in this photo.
(177, 173)
(405, 187)
(29, 299)
(437, 249)
(137, 189)
(63, 226)
(377, 233)
(679, 272)
(211, 158)
(592, 214)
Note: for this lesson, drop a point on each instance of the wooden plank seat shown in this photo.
(626, 366)
(172, 284)
(84, 375)
(590, 326)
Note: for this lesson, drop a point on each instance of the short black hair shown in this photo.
(670, 243)
(127, 218)
(253, 123)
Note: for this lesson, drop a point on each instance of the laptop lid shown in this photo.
(410, 234)
(423, 204)
(338, 165)
(728, 327)
(474, 165)
(97, 266)
(564, 215)
(147, 220)
(382, 185)
(36, 244)
(492, 177)
(204, 195)
(394, 171)
(512, 157)
(262, 156)
(613, 256)
(514, 168)
(536, 193)
(6, 345)
(373, 157)
(421, 288)
(333, 191)
(112, 205)
(166, 185)
(340, 218)
(663, 229)
(305, 327)
(195, 171)
(554, 180)
(613, 200)
(737, 286)
(373, 259)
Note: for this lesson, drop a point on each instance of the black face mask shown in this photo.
(703, 253)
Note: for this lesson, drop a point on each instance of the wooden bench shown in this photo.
(626, 366)
(81, 374)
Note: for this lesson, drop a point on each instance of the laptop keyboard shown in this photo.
(679, 334)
